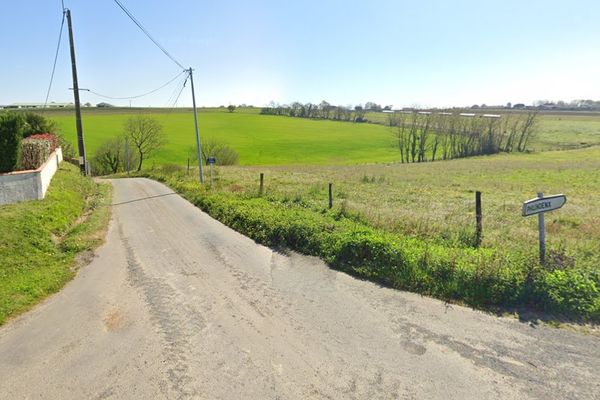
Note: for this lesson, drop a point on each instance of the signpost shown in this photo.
(211, 161)
(539, 206)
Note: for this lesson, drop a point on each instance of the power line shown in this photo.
(172, 101)
(62, 24)
(139, 24)
(181, 90)
(139, 95)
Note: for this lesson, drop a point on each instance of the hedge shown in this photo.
(35, 152)
(11, 133)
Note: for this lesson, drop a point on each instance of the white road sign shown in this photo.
(543, 204)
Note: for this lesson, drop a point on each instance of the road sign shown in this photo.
(543, 204)
(539, 206)
(211, 160)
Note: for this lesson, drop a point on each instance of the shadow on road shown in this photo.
(142, 199)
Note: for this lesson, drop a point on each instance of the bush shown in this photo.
(569, 290)
(53, 140)
(224, 154)
(35, 152)
(36, 124)
(11, 133)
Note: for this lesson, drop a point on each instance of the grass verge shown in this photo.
(484, 278)
(40, 240)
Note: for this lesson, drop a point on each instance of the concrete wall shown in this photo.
(29, 185)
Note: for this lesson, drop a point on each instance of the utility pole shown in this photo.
(80, 143)
(198, 146)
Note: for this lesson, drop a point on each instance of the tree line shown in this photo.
(426, 136)
(324, 110)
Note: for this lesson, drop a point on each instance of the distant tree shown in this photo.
(359, 113)
(88, 104)
(231, 108)
(104, 105)
(145, 135)
(509, 105)
(370, 106)
(325, 109)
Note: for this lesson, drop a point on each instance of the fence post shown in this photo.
(262, 184)
(188, 167)
(330, 195)
(478, 219)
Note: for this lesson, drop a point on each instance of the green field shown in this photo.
(275, 140)
(435, 201)
(260, 140)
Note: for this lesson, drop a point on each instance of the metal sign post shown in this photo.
(542, 232)
(539, 206)
(211, 161)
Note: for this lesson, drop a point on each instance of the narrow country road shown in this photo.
(177, 306)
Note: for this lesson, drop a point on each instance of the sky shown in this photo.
(402, 53)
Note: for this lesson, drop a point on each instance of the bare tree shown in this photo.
(109, 156)
(526, 130)
(146, 136)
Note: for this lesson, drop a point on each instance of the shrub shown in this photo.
(35, 152)
(224, 154)
(52, 139)
(36, 123)
(569, 290)
(11, 133)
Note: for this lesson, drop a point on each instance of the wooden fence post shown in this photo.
(330, 195)
(478, 219)
(262, 184)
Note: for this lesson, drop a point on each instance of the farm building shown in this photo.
(39, 105)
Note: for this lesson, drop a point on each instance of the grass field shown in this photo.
(40, 239)
(435, 201)
(273, 140)
(260, 140)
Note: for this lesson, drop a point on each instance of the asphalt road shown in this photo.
(175, 306)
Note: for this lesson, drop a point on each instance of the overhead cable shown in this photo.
(177, 91)
(62, 24)
(139, 95)
(139, 24)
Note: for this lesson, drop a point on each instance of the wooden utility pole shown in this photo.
(198, 146)
(79, 126)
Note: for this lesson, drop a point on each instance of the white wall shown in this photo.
(29, 185)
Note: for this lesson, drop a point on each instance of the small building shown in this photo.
(38, 105)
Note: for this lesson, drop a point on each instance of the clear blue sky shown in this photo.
(428, 53)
